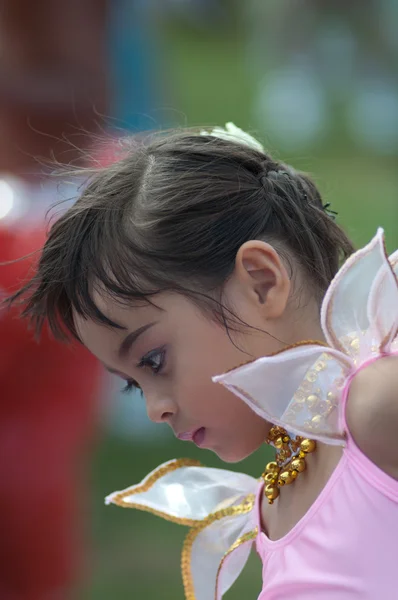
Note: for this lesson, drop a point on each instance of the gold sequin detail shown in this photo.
(240, 509)
(311, 376)
(316, 409)
(119, 498)
(320, 366)
(247, 537)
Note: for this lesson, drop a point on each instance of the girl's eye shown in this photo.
(154, 360)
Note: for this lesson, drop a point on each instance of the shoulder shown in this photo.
(372, 413)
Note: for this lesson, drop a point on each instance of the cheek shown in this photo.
(211, 402)
(194, 392)
(235, 430)
(194, 369)
(212, 355)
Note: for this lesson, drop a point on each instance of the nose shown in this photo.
(160, 410)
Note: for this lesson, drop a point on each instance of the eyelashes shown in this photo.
(130, 386)
(154, 361)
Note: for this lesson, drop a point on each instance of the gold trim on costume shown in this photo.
(247, 537)
(163, 515)
(240, 509)
(298, 344)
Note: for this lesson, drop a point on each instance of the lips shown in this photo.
(197, 436)
(187, 436)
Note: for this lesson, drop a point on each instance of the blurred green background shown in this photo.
(213, 80)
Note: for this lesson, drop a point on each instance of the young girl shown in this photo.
(195, 254)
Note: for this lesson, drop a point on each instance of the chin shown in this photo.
(234, 455)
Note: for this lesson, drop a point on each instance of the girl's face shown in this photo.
(173, 350)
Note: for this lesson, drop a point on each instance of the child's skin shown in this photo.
(183, 348)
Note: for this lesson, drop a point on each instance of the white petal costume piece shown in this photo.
(217, 505)
(301, 389)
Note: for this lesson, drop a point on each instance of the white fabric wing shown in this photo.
(394, 263)
(207, 550)
(293, 388)
(234, 562)
(360, 310)
(184, 492)
(217, 504)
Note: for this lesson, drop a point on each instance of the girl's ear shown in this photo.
(264, 277)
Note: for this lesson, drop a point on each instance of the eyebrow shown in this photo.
(131, 338)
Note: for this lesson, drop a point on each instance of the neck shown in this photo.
(306, 324)
(295, 500)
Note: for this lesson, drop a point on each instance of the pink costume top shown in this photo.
(345, 546)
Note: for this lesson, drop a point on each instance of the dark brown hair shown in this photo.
(170, 215)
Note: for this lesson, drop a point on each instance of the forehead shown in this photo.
(128, 316)
(171, 310)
